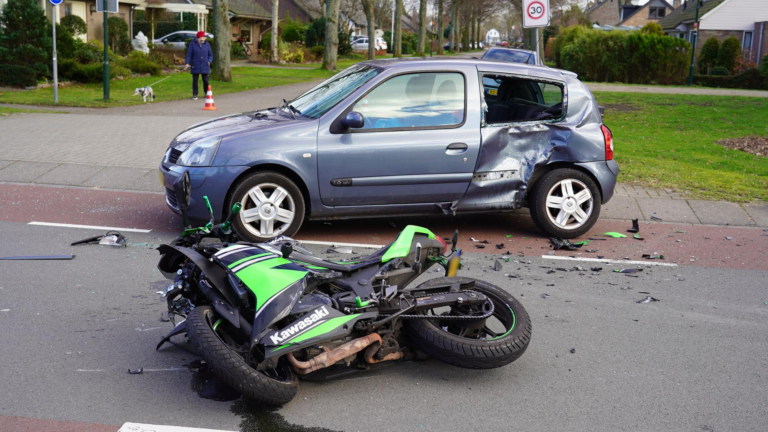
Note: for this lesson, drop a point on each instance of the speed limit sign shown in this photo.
(535, 13)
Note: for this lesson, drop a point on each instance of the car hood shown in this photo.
(232, 124)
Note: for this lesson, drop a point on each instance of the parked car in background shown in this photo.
(178, 39)
(361, 44)
(512, 55)
(416, 136)
(448, 44)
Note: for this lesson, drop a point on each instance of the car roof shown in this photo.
(482, 65)
(498, 48)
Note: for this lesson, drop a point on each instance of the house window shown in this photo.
(746, 45)
(657, 12)
(245, 33)
(67, 9)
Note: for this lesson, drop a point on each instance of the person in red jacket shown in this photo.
(199, 58)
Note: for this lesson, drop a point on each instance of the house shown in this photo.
(747, 20)
(635, 13)
(86, 9)
(492, 37)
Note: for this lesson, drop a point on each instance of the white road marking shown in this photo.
(609, 261)
(90, 370)
(141, 427)
(103, 228)
(325, 243)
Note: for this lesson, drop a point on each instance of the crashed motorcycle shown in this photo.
(261, 315)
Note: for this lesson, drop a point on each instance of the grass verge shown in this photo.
(179, 86)
(8, 111)
(670, 141)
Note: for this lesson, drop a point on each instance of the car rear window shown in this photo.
(510, 56)
(415, 101)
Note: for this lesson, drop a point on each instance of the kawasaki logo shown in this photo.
(315, 318)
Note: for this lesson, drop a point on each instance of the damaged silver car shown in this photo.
(406, 137)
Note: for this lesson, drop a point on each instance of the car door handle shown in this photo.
(456, 148)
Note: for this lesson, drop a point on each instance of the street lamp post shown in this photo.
(695, 39)
(106, 54)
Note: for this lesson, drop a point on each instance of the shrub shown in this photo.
(266, 46)
(718, 71)
(345, 46)
(315, 33)
(293, 31)
(12, 75)
(74, 24)
(25, 40)
(92, 52)
(237, 51)
(708, 55)
(158, 57)
(565, 37)
(764, 66)
(317, 51)
(119, 71)
(138, 62)
(292, 53)
(653, 29)
(118, 35)
(409, 43)
(66, 44)
(751, 79)
(729, 51)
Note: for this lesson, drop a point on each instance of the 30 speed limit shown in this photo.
(536, 13)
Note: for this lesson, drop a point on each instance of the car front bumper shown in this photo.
(213, 182)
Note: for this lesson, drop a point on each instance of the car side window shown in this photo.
(512, 99)
(415, 101)
(176, 38)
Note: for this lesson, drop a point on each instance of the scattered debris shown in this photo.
(497, 266)
(135, 371)
(596, 269)
(558, 244)
(596, 239)
(656, 218)
(485, 242)
(509, 236)
(473, 239)
(637, 237)
(729, 238)
(573, 350)
(626, 288)
(590, 250)
(545, 295)
(512, 276)
(480, 246)
(647, 299)
(500, 246)
(614, 234)
(340, 250)
(679, 231)
(635, 227)
(111, 238)
(5, 310)
(39, 257)
(649, 256)
(629, 270)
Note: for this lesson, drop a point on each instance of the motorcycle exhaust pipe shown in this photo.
(329, 358)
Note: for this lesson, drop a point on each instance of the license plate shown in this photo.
(493, 92)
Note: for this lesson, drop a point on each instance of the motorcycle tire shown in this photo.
(229, 365)
(471, 353)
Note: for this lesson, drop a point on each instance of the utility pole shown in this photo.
(695, 39)
(106, 53)
(55, 13)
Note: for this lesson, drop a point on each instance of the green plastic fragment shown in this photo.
(680, 231)
(581, 243)
(525, 238)
(508, 236)
(614, 234)
(361, 304)
(637, 236)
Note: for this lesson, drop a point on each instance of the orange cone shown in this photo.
(209, 105)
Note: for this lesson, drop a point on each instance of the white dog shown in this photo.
(145, 92)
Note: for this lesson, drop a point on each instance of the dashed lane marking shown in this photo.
(60, 225)
(609, 261)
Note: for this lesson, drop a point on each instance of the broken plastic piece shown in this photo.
(341, 250)
(485, 242)
(573, 350)
(656, 218)
(679, 231)
(614, 234)
(729, 238)
(545, 295)
(637, 236)
(509, 236)
(596, 239)
(558, 244)
(635, 227)
(596, 269)
(480, 246)
(39, 257)
(590, 250)
(629, 270)
(648, 299)
(497, 265)
(111, 238)
(500, 246)
(473, 239)
(135, 371)
(649, 256)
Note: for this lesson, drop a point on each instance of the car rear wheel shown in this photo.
(272, 206)
(565, 203)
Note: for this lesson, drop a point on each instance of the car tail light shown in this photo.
(442, 242)
(608, 142)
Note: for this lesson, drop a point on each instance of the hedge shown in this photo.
(618, 56)
(17, 76)
(751, 79)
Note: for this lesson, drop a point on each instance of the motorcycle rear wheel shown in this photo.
(274, 387)
(491, 349)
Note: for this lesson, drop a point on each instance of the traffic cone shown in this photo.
(209, 105)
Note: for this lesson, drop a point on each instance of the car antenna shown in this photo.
(286, 105)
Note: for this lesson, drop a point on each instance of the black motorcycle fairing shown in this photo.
(217, 275)
(179, 329)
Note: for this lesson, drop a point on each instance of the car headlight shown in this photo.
(200, 153)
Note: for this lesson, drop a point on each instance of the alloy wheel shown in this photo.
(569, 204)
(268, 210)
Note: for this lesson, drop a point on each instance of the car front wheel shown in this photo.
(272, 206)
(565, 203)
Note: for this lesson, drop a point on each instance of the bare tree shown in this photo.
(275, 58)
(331, 51)
(440, 27)
(222, 69)
(368, 8)
(422, 38)
(397, 38)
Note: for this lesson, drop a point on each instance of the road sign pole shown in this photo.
(55, 13)
(106, 54)
(538, 56)
(695, 39)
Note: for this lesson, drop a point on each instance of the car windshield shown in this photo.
(509, 56)
(325, 96)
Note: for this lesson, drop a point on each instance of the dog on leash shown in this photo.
(145, 92)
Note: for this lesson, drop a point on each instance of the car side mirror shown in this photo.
(353, 120)
(164, 40)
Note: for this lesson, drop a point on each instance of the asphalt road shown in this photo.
(695, 360)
